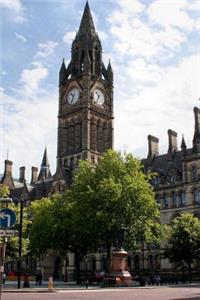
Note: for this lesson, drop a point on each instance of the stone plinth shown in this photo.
(119, 267)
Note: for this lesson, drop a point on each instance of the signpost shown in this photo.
(7, 220)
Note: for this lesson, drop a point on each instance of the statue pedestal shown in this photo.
(119, 267)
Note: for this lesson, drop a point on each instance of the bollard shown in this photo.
(50, 283)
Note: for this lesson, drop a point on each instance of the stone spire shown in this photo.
(45, 172)
(86, 28)
(86, 45)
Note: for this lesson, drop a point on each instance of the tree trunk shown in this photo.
(108, 257)
(190, 272)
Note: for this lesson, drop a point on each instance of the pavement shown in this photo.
(11, 287)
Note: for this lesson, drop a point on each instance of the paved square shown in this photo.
(155, 293)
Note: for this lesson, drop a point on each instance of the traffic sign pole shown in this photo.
(7, 219)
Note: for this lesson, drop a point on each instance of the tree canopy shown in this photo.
(183, 243)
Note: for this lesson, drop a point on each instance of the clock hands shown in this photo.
(73, 96)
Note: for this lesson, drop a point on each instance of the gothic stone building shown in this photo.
(85, 131)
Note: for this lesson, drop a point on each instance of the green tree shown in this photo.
(183, 242)
(115, 195)
(4, 191)
(102, 200)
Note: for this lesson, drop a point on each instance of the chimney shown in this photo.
(8, 167)
(22, 174)
(34, 175)
(153, 146)
(7, 176)
(172, 141)
(196, 139)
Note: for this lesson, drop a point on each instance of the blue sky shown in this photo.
(154, 47)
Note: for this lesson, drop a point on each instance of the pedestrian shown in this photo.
(4, 278)
(86, 284)
(26, 281)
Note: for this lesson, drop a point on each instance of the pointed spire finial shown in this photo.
(63, 68)
(45, 167)
(87, 25)
(183, 144)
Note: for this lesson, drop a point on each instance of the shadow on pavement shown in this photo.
(193, 298)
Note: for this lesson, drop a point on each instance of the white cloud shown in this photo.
(69, 37)
(155, 108)
(132, 7)
(46, 49)
(29, 125)
(20, 37)
(170, 13)
(11, 4)
(135, 36)
(16, 8)
(31, 78)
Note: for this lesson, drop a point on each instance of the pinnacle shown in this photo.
(183, 144)
(45, 161)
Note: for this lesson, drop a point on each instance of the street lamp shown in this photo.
(20, 245)
(86, 271)
(21, 202)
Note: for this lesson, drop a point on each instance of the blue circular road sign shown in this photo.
(7, 218)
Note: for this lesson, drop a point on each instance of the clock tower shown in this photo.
(85, 117)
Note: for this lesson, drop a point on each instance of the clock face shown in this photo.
(98, 97)
(73, 96)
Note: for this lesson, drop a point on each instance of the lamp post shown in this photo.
(86, 271)
(20, 245)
